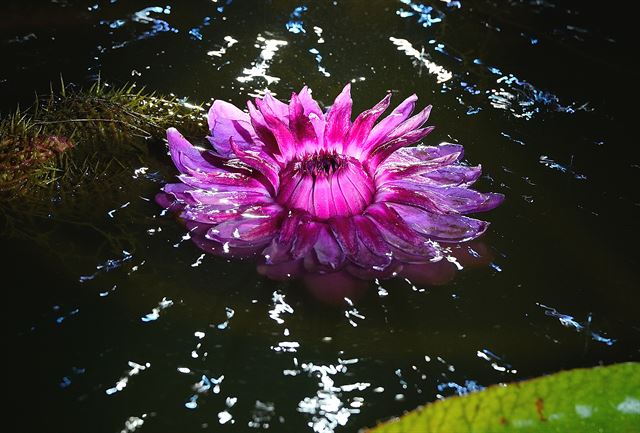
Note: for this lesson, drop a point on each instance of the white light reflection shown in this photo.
(262, 414)
(155, 313)
(352, 313)
(133, 423)
(124, 380)
(259, 67)
(230, 41)
(280, 307)
(570, 322)
(442, 75)
(493, 359)
(327, 409)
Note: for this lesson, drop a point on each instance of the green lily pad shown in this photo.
(599, 399)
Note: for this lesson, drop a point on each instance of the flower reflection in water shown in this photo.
(321, 196)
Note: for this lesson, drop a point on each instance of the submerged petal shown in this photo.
(327, 249)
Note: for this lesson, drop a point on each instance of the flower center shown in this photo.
(325, 184)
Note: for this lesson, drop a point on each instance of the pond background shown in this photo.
(116, 322)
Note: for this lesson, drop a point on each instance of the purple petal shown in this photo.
(221, 180)
(313, 112)
(454, 175)
(283, 136)
(179, 192)
(253, 227)
(269, 104)
(226, 120)
(409, 125)
(299, 195)
(262, 130)
(348, 194)
(260, 161)
(407, 243)
(306, 238)
(301, 128)
(418, 154)
(362, 127)
(342, 204)
(229, 199)
(211, 214)
(168, 201)
(380, 132)
(289, 228)
(344, 231)
(392, 172)
(383, 151)
(327, 249)
(323, 204)
(458, 199)
(185, 156)
(443, 228)
(338, 120)
(410, 197)
(370, 237)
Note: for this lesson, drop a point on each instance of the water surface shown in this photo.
(117, 322)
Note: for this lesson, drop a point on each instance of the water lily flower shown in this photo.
(296, 183)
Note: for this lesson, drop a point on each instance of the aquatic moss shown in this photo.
(73, 134)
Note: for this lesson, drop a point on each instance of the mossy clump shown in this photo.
(79, 132)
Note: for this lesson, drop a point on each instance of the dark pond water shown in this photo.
(116, 322)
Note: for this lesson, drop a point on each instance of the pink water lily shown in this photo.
(293, 182)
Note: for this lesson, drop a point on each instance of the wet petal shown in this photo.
(454, 175)
(229, 198)
(442, 228)
(211, 214)
(417, 154)
(410, 197)
(461, 200)
(407, 243)
(221, 180)
(283, 136)
(289, 228)
(403, 171)
(383, 151)
(179, 192)
(255, 226)
(261, 129)
(412, 123)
